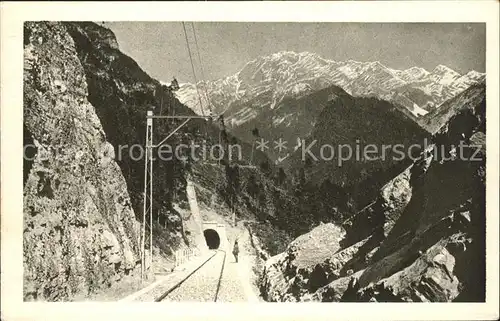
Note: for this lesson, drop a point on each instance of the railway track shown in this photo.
(203, 284)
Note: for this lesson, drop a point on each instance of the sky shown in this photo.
(225, 47)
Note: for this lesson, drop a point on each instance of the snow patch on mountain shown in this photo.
(417, 111)
(444, 75)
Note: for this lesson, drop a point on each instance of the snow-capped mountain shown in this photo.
(269, 80)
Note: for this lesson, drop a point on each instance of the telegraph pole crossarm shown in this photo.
(178, 117)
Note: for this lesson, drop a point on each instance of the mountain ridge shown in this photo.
(267, 80)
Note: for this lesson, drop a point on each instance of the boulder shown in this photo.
(308, 263)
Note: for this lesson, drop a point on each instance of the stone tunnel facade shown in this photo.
(215, 235)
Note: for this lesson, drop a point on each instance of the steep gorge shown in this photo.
(84, 100)
(415, 242)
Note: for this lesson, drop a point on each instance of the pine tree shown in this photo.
(281, 176)
(174, 86)
(252, 186)
(265, 168)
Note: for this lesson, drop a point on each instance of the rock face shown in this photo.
(416, 241)
(291, 274)
(434, 120)
(80, 233)
(122, 93)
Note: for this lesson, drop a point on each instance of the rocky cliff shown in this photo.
(435, 119)
(122, 92)
(80, 233)
(415, 242)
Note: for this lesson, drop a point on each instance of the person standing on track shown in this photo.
(236, 250)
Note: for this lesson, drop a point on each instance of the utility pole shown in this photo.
(148, 197)
(147, 238)
(150, 150)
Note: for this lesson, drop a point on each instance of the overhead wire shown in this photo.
(201, 69)
(192, 68)
(204, 88)
(209, 105)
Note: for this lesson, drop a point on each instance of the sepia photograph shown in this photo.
(254, 162)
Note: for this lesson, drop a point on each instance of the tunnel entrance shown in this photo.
(212, 238)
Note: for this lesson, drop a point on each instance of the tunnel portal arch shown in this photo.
(215, 235)
(212, 238)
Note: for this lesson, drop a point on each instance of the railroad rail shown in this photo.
(187, 289)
